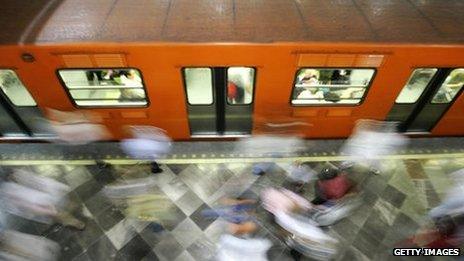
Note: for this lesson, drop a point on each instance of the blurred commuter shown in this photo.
(140, 199)
(239, 242)
(453, 203)
(283, 200)
(443, 232)
(331, 185)
(233, 248)
(16, 246)
(38, 198)
(2, 221)
(273, 146)
(300, 174)
(298, 229)
(77, 128)
(371, 140)
(148, 143)
(238, 213)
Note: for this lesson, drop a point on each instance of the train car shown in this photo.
(226, 68)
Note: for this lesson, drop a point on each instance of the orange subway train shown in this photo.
(226, 68)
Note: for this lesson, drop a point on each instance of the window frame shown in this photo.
(361, 101)
(19, 79)
(73, 101)
(184, 82)
(421, 96)
(255, 71)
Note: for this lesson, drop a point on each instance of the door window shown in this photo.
(240, 84)
(416, 84)
(199, 85)
(450, 87)
(14, 89)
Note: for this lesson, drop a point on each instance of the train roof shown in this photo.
(255, 21)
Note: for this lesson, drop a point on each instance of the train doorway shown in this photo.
(19, 115)
(219, 100)
(426, 97)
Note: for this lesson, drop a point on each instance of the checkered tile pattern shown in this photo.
(395, 204)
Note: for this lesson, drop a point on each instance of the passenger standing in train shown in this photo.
(131, 79)
(232, 90)
(336, 78)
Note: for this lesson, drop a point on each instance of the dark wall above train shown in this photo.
(403, 21)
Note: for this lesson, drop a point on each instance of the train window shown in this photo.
(419, 79)
(240, 84)
(199, 85)
(14, 89)
(105, 87)
(450, 87)
(331, 86)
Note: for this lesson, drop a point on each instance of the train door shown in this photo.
(19, 116)
(219, 100)
(426, 97)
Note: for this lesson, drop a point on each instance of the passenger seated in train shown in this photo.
(131, 79)
(332, 96)
(340, 77)
(311, 93)
(132, 94)
(308, 77)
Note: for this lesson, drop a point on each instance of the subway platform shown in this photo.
(197, 174)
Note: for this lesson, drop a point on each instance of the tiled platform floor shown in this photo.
(395, 204)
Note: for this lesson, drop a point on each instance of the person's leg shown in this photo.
(295, 254)
(319, 195)
(260, 168)
(67, 219)
(155, 168)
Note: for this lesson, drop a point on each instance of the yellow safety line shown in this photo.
(223, 160)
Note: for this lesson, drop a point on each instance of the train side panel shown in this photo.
(276, 66)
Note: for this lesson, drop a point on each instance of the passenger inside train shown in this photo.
(327, 86)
